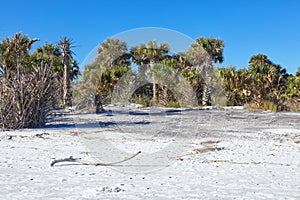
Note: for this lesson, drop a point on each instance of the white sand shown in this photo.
(259, 159)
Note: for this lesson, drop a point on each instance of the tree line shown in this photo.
(36, 81)
(263, 85)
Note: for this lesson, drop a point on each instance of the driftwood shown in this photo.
(247, 163)
(78, 160)
(207, 147)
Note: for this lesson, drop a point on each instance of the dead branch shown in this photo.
(205, 149)
(78, 160)
(247, 163)
(25, 100)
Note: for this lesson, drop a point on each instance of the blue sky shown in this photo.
(271, 27)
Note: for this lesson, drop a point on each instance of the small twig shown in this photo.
(78, 160)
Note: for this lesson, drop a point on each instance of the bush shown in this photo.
(26, 98)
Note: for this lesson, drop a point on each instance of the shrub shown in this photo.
(26, 99)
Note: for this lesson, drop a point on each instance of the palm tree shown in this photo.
(52, 54)
(67, 58)
(106, 69)
(269, 80)
(110, 50)
(150, 53)
(201, 55)
(49, 53)
(214, 47)
(85, 92)
(229, 76)
(236, 83)
(14, 53)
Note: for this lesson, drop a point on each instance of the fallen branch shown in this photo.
(78, 160)
(247, 163)
(208, 149)
(200, 150)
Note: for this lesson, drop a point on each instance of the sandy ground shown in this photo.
(186, 154)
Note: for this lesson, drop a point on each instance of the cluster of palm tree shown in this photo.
(33, 83)
(153, 61)
(263, 84)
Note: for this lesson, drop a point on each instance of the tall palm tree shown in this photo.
(67, 58)
(214, 48)
(106, 69)
(202, 54)
(52, 54)
(150, 53)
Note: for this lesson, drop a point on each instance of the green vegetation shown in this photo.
(156, 62)
(34, 83)
(263, 86)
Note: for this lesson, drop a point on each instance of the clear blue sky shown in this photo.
(248, 27)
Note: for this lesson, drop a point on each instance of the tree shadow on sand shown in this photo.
(67, 121)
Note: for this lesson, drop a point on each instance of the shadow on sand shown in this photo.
(66, 121)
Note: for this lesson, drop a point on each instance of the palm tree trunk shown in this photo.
(206, 99)
(154, 91)
(66, 84)
(98, 103)
(154, 98)
(67, 59)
